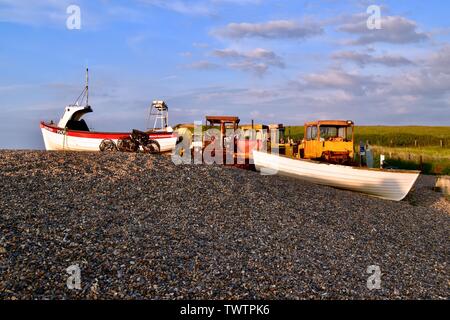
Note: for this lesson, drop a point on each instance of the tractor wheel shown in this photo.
(127, 145)
(122, 145)
(107, 145)
(152, 147)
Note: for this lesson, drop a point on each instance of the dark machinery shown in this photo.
(138, 141)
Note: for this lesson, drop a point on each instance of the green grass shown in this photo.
(427, 153)
(404, 136)
(429, 160)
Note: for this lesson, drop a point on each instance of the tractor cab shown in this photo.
(329, 140)
(222, 123)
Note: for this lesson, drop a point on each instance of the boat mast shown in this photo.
(87, 86)
(84, 94)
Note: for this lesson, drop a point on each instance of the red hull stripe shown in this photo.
(101, 135)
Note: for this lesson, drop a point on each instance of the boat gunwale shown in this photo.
(43, 123)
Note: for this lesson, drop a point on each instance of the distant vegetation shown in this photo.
(405, 136)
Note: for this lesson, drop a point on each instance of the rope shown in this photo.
(64, 138)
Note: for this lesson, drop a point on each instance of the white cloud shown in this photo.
(202, 65)
(419, 95)
(200, 8)
(257, 68)
(338, 79)
(256, 61)
(34, 13)
(200, 45)
(421, 83)
(257, 53)
(238, 2)
(394, 29)
(363, 59)
(440, 61)
(278, 29)
(186, 54)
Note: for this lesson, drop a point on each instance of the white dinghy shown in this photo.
(385, 184)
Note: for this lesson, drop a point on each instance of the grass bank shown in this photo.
(430, 160)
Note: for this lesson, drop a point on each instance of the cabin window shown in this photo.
(314, 132)
(308, 133)
(328, 132)
(349, 133)
(311, 133)
(335, 133)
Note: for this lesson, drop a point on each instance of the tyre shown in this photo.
(152, 147)
(127, 145)
(107, 145)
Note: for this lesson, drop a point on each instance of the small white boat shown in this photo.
(72, 133)
(385, 184)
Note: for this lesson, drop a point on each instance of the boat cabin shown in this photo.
(72, 118)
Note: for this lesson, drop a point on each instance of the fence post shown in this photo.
(442, 144)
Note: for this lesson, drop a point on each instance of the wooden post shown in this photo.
(415, 143)
(442, 144)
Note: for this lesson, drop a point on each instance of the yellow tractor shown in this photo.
(329, 140)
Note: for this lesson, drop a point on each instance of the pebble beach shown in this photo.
(140, 227)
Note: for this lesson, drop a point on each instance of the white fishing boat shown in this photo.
(385, 184)
(72, 133)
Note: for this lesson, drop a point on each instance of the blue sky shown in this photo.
(272, 61)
